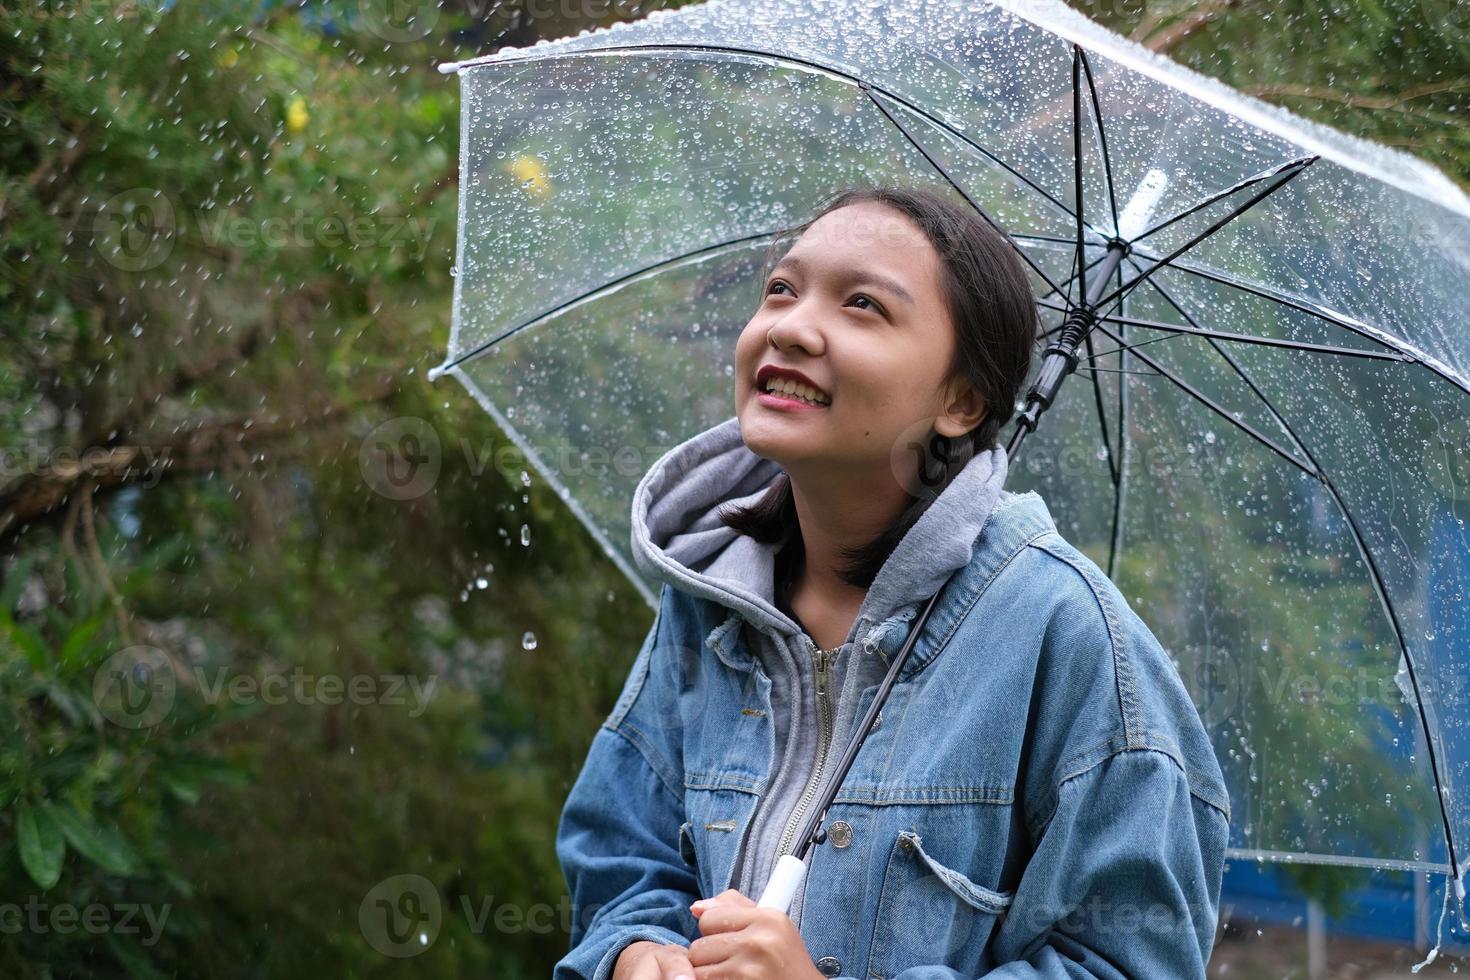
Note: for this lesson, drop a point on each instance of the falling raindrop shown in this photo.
(528, 642)
(526, 535)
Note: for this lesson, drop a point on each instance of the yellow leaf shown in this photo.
(532, 175)
(296, 115)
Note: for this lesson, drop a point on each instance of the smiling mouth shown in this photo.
(794, 391)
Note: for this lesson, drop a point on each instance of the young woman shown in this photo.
(1038, 797)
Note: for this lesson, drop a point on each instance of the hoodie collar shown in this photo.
(678, 537)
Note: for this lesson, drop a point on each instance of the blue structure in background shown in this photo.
(1394, 906)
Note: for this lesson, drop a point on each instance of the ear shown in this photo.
(964, 409)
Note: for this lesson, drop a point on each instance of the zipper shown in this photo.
(823, 660)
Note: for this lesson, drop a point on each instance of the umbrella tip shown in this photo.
(435, 373)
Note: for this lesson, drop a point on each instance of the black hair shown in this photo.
(990, 301)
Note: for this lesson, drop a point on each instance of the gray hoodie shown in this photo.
(678, 538)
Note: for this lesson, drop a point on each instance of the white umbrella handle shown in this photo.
(781, 889)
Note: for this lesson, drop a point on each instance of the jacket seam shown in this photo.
(1122, 663)
(630, 734)
(969, 604)
(1106, 751)
(642, 665)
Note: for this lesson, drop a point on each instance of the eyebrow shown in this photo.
(862, 276)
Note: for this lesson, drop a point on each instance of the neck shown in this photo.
(836, 514)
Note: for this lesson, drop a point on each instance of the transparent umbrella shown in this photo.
(1264, 438)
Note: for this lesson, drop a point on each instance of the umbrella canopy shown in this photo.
(1264, 442)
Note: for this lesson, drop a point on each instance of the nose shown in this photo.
(794, 330)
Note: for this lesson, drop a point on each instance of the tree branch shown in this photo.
(1163, 40)
(203, 448)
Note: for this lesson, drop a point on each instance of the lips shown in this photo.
(772, 372)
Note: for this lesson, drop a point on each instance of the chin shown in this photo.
(771, 438)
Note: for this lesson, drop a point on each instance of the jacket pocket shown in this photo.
(984, 899)
(686, 844)
(931, 914)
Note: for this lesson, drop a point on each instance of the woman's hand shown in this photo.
(645, 960)
(741, 940)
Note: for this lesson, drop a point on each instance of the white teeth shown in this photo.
(786, 386)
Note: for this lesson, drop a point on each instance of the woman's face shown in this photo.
(855, 306)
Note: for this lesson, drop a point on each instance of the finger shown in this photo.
(728, 897)
(673, 963)
(727, 918)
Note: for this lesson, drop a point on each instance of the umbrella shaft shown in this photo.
(1061, 355)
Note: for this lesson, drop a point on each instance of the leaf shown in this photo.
(103, 846)
(28, 640)
(131, 959)
(77, 638)
(182, 786)
(42, 848)
(15, 583)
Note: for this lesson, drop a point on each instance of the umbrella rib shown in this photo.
(1077, 167)
(1175, 328)
(1209, 403)
(868, 91)
(1326, 316)
(1241, 209)
(719, 246)
(1211, 199)
(1363, 550)
(1102, 137)
(1115, 541)
(1102, 418)
(1116, 350)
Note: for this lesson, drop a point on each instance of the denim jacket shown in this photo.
(1040, 798)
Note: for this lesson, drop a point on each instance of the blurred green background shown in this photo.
(198, 431)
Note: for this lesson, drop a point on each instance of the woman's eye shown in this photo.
(773, 285)
(873, 305)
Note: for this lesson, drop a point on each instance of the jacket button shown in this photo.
(840, 833)
(829, 966)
